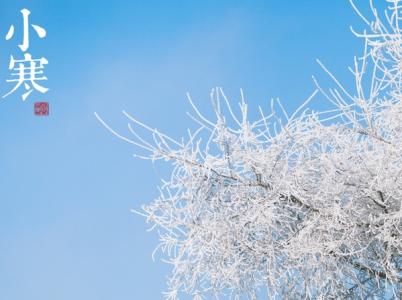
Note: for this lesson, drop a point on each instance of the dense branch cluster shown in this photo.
(306, 206)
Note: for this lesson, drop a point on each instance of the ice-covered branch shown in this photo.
(306, 205)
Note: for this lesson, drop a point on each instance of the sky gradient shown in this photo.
(67, 185)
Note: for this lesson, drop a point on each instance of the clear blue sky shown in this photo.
(67, 185)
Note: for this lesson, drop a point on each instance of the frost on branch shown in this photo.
(306, 206)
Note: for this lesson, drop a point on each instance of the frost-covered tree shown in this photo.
(301, 206)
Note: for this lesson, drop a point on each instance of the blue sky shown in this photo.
(67, 185)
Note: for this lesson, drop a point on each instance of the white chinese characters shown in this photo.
(27, 72)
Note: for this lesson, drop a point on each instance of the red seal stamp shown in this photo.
(41, 108)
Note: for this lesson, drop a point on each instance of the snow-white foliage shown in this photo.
(306, 206)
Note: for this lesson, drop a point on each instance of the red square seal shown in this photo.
(41, 108)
